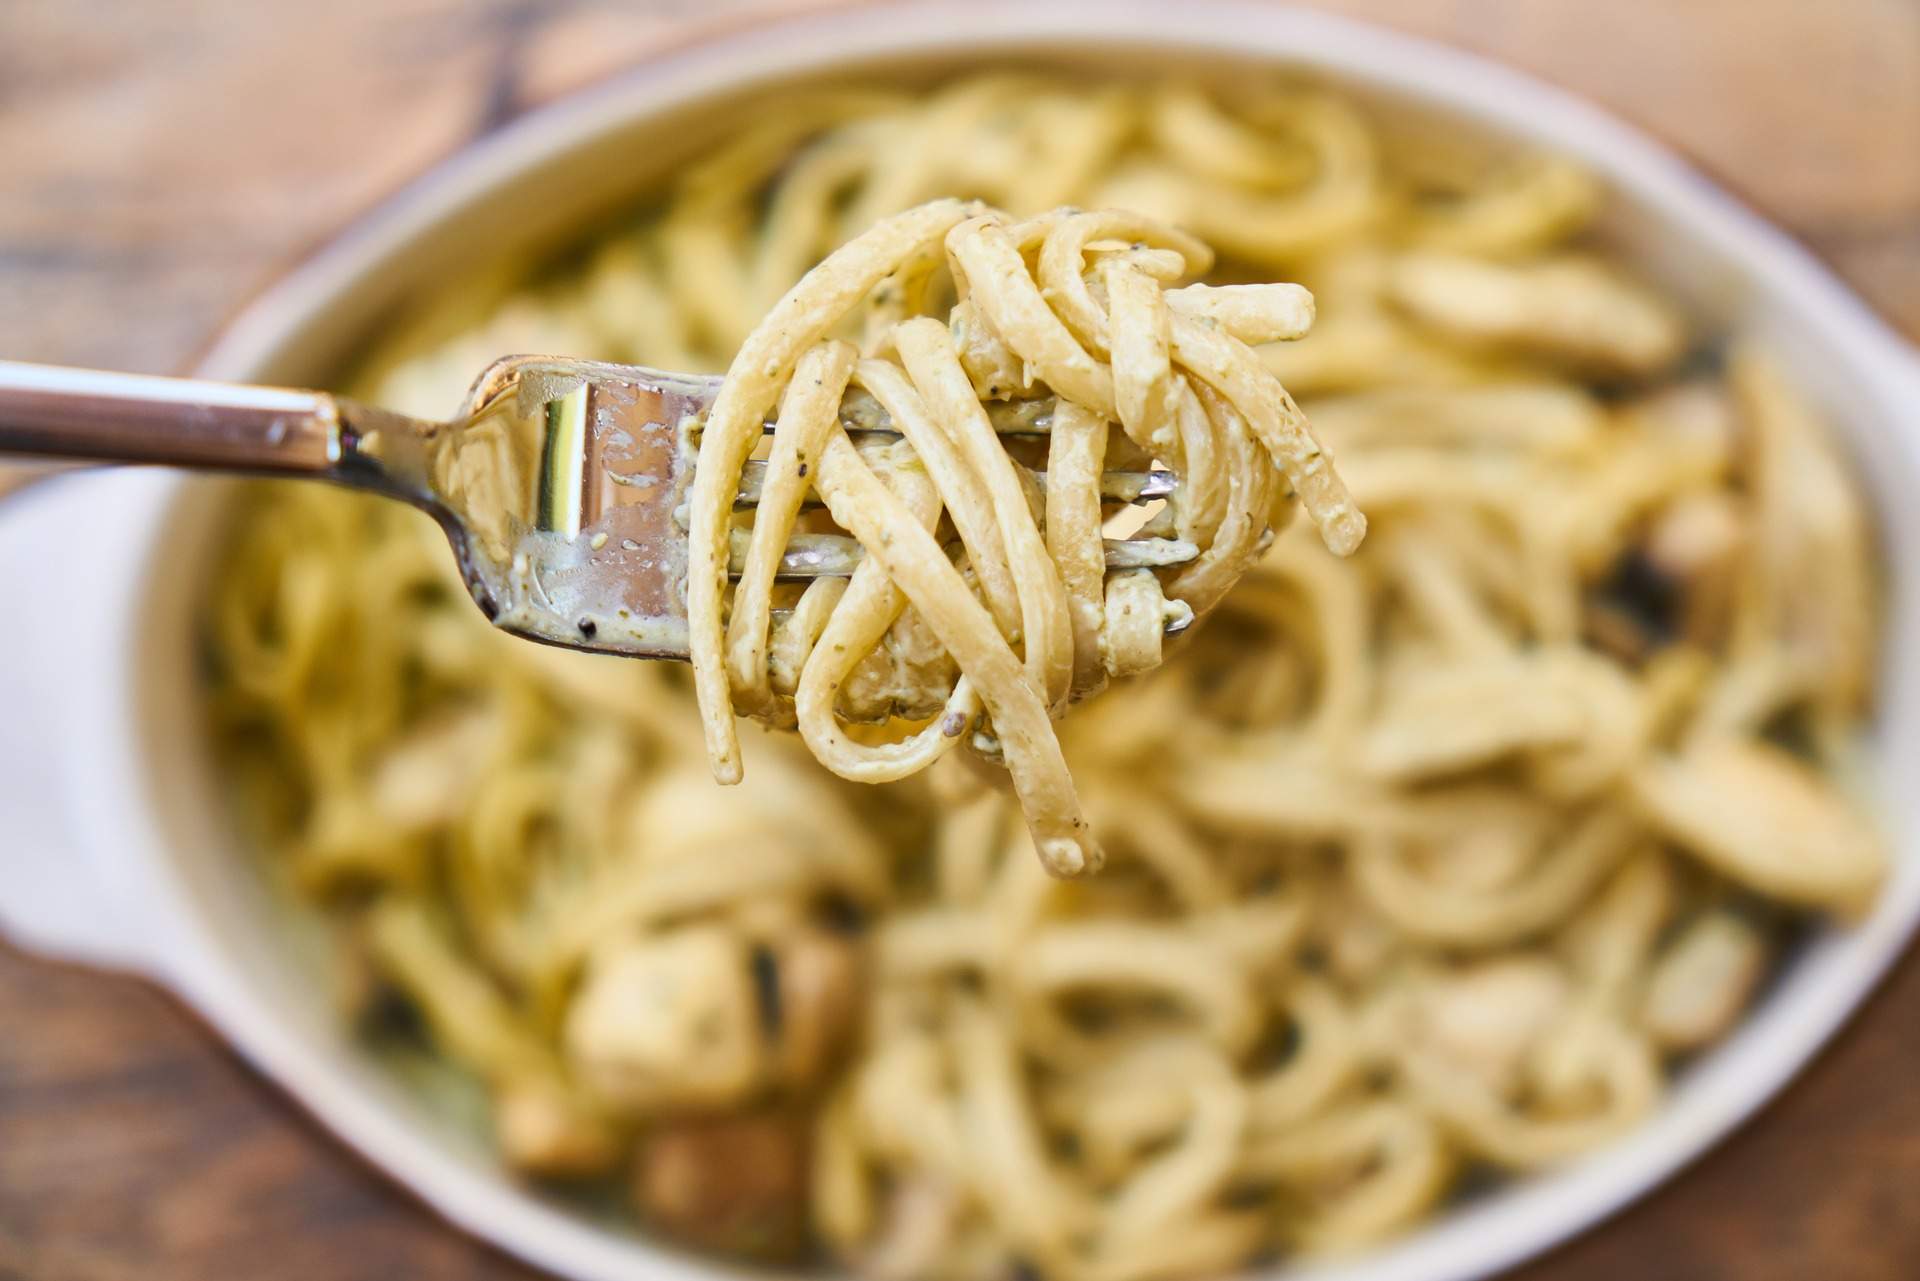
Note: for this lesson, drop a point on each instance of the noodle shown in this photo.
(1432, 859)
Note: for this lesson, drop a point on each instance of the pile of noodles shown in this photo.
(1427, 861)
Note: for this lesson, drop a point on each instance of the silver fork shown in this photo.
(561, 486)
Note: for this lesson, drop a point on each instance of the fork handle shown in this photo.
(51, 411)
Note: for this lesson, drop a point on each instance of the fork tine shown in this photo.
(864, 417)
(836, 555)
(1148, 553)
(1175, 625)
(1115, 486)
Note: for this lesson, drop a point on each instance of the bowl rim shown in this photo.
(1524, 1220)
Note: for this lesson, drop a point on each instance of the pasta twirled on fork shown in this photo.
(1071, 305)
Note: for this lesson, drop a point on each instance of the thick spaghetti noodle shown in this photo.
(1431, 859)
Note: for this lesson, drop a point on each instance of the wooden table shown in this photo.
(161, 161)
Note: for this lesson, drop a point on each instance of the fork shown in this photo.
(561, 486)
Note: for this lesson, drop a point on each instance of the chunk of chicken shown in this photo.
(667, 1022)
(543, 1131)
(817, 1001)
(1696, 544)
(1447, 717)
(1488, 1018)
(1570, 308)
(1703, 981)
(1756, 814)
(425, 778)
(733, 1185)
(1477, 1020)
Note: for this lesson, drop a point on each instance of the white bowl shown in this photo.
(115, 846)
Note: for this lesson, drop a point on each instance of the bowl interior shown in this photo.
(533, 189)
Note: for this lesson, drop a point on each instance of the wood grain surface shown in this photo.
(160, 161)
